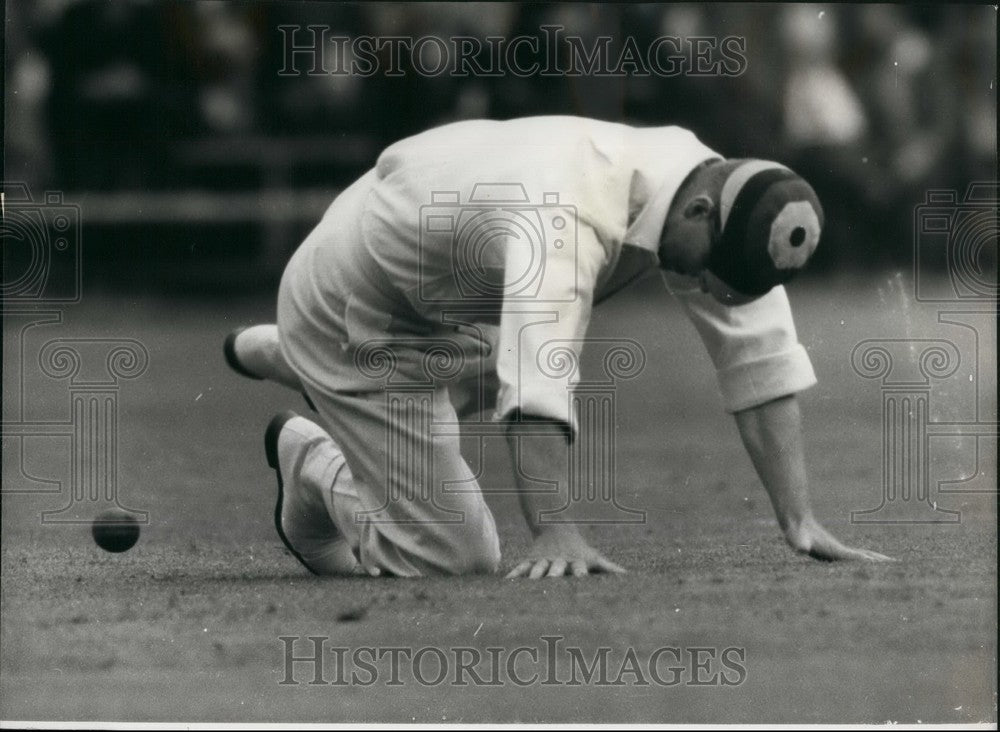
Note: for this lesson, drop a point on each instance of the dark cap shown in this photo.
(770, 222)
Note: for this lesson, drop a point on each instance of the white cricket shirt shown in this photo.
(524, 223)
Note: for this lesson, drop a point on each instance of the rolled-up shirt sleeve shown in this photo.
(754, 347)
(542, 332)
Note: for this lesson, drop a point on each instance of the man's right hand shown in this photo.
(560, 551)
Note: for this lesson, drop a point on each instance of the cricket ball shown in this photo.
(115, 530)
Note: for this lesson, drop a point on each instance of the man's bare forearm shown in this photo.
(538, 449)
(772, 435)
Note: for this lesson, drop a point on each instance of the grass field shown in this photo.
(186, 626)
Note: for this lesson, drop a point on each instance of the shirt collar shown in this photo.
(646, 228)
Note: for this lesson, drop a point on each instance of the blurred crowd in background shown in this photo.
(874, 104)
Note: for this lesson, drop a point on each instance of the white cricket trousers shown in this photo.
(383, 380)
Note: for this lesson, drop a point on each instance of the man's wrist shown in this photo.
(561, 530)
(794, 527)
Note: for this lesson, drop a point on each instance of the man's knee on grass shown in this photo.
(481, 559)
(434, 550)
(470, 552)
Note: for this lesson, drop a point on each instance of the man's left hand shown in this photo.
(812, 539)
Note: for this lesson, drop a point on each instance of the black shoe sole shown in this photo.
(271, 435)
(229, 351)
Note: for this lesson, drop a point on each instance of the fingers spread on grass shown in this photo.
(558, 568)
(561, 567)
(842, 553)
(538, 571)
(606, 565)
(876, 557)
(520, 570)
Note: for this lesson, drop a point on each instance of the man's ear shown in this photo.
(700, 207)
